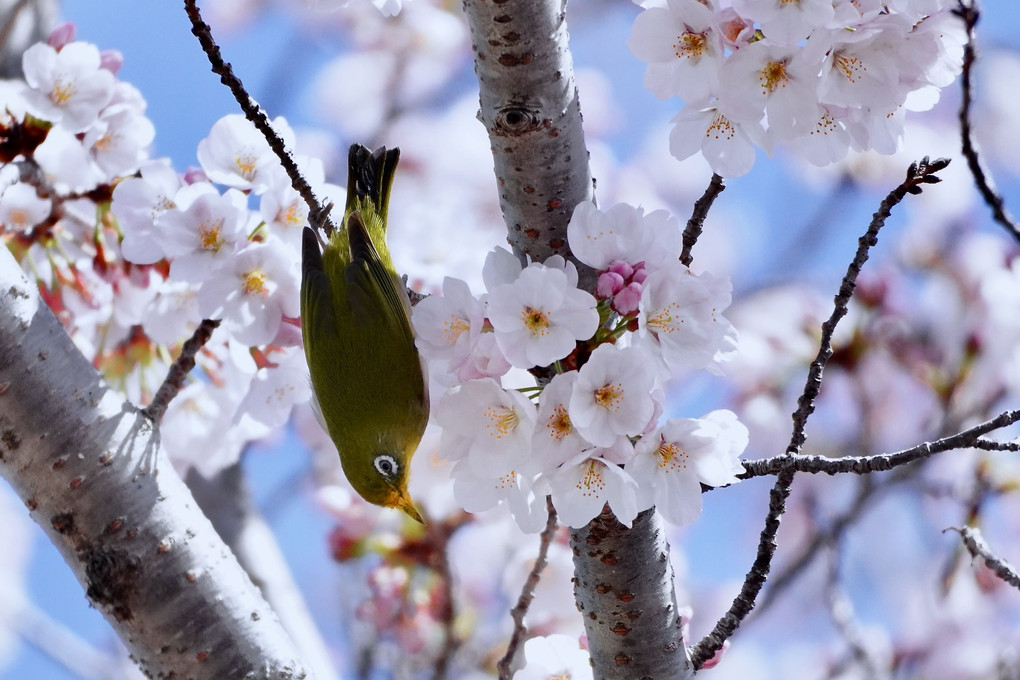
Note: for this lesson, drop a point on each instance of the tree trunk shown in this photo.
(89, 467)
(530, 108)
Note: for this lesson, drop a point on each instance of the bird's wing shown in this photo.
(371, 287)
(318, 318)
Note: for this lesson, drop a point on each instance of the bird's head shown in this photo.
(384, 480)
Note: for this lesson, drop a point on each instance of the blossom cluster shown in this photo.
(593, 436)
(824, 75)
(132, 254)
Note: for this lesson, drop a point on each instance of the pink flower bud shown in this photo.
(640, 274)
(61, 35)
(622, 268)
(609, 284)
(194, 175)
(626, 301)
(111, 60)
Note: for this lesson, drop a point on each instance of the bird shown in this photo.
(368, 382)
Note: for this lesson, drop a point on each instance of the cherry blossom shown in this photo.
(767, 78)
(485, 423)
(580, 488)
(252, 291)
(786, 23)
(726, 144)
(613, 395)
(138, 202)
(554, 656)
(538, 318)
(623, 233)
(681, 319)
(204, 230)
(682, 47)
(21, 208)
(556, 440)
(673, 462)
(118, 141)
(235, 154)
(67, 86)
(276, 388)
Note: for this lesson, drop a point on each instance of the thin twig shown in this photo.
(918, 174)
(967, 439)
(528, 593)
(174, 381)
(990, 445)
(968, 11)
(976, 546)
(318, 214)
(841, 611)
(694, 225)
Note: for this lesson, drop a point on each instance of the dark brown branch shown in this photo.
(967, 439)
(990, 445)
(918, 174)
(174, 381)
(318, 214)
(753, 581)
(977, 547)
(694, 225)
(528, 593)
(968, 11)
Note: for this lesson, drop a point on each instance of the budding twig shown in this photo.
(528, 593)
(968, 11)
(318, 214)
(918, 174)
(174, 381)
(697, 221)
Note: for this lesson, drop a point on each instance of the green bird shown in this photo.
(365, 371)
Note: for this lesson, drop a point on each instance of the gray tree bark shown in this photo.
(530, 108)
(90, 470)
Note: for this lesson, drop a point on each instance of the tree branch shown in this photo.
(78, 456)
(23, 22)
(528, 593)
(318, 214)
(529, 106)
(841, 611)
(918, 174)
(977, 547)
(624, 590)
(179, 370)
(969, 438)
(227, 501)
(692, 232)
(969, 12)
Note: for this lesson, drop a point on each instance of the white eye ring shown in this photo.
(386, 465)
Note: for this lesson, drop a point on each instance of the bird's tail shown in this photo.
(369, 178)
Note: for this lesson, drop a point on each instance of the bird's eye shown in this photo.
(385, 465)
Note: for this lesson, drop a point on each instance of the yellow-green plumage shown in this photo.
(356, 323)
